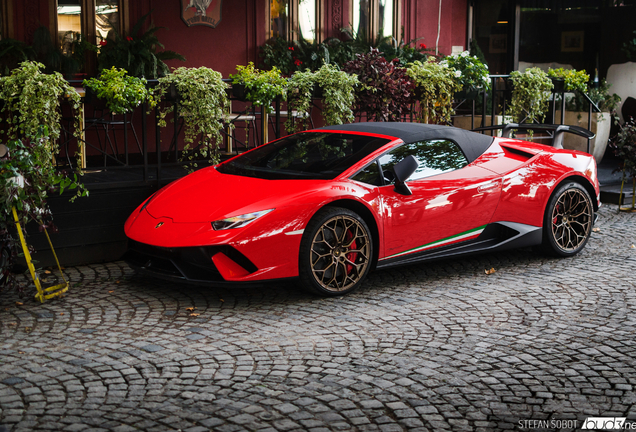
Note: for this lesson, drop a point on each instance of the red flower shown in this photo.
(103, 43)
(298, 62)
(291, 48)
(423, 46)
(128, 38)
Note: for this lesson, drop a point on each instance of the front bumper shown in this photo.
(208, 265)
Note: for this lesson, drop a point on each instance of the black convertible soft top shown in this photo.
(472, 144)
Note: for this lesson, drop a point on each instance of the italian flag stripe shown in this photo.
(467, 235)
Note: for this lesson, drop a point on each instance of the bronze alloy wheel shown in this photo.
(571, 219)
(339, 252)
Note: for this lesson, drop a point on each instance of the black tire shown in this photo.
(568, 220)
(336, 252)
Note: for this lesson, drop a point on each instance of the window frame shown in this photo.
(292, 27)
(373, 18)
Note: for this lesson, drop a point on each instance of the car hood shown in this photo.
(207, 195)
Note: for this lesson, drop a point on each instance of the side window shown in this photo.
(434, 157)
(369, 175)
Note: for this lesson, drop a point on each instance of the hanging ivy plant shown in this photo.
(338, 88)
(530, 95)
(203, 103)
(28, 176)
(338, 95)
(299, 94)
(32, 100)
(436, 84)
(122, 92)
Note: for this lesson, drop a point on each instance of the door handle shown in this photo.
(489, 187)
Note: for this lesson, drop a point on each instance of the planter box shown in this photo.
(601, 124)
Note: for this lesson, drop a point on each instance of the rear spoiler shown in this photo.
(557, 136)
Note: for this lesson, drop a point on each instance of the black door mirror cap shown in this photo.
(403, 170)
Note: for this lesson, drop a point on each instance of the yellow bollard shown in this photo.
(43, 293)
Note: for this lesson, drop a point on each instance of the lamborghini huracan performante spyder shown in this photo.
(329, 205)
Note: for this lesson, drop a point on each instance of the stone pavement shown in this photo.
(438, 346)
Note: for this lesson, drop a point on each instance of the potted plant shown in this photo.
(470, 73)
(203, 103)
(577, 113)
(32, 101)
(386, 91)
(573, 80)
(121, 92)
(336, 89)
(530, 95)
(625, 149)
(261, 87)
(300, 90)
(436, 84)
(137, 53)
(32, 105)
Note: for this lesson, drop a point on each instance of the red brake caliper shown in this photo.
(351, 256)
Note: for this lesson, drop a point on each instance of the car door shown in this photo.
(451, 201)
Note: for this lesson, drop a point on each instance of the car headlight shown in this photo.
(238, 221)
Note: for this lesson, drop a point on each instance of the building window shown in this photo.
(295, 19)
(5, 31)
(373, 19)
(106, 18)
(307, 20)
(72, 18)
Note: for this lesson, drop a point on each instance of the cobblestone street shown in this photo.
(426, 347)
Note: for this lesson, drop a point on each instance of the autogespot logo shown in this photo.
(590, 423)
(607, 423)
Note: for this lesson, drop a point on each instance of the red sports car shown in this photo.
(331, 204)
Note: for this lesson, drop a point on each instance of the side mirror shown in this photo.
(403, 170)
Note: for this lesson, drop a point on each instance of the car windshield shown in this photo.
(308, 155)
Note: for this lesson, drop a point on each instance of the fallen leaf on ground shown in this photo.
(117, 281)
(633, 247)
(194, 314)
(47, 271)
(596, 229)
(20, 303)
(12, 324)
(61, 313)
(491, 271)
(223, 301)
(111, 292)
(190, 309)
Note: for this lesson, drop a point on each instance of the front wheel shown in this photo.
(335, 252)
(568, 220)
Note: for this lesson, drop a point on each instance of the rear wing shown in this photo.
(557, 131)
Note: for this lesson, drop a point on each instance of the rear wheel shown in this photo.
(335, 252)
(568, 220)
